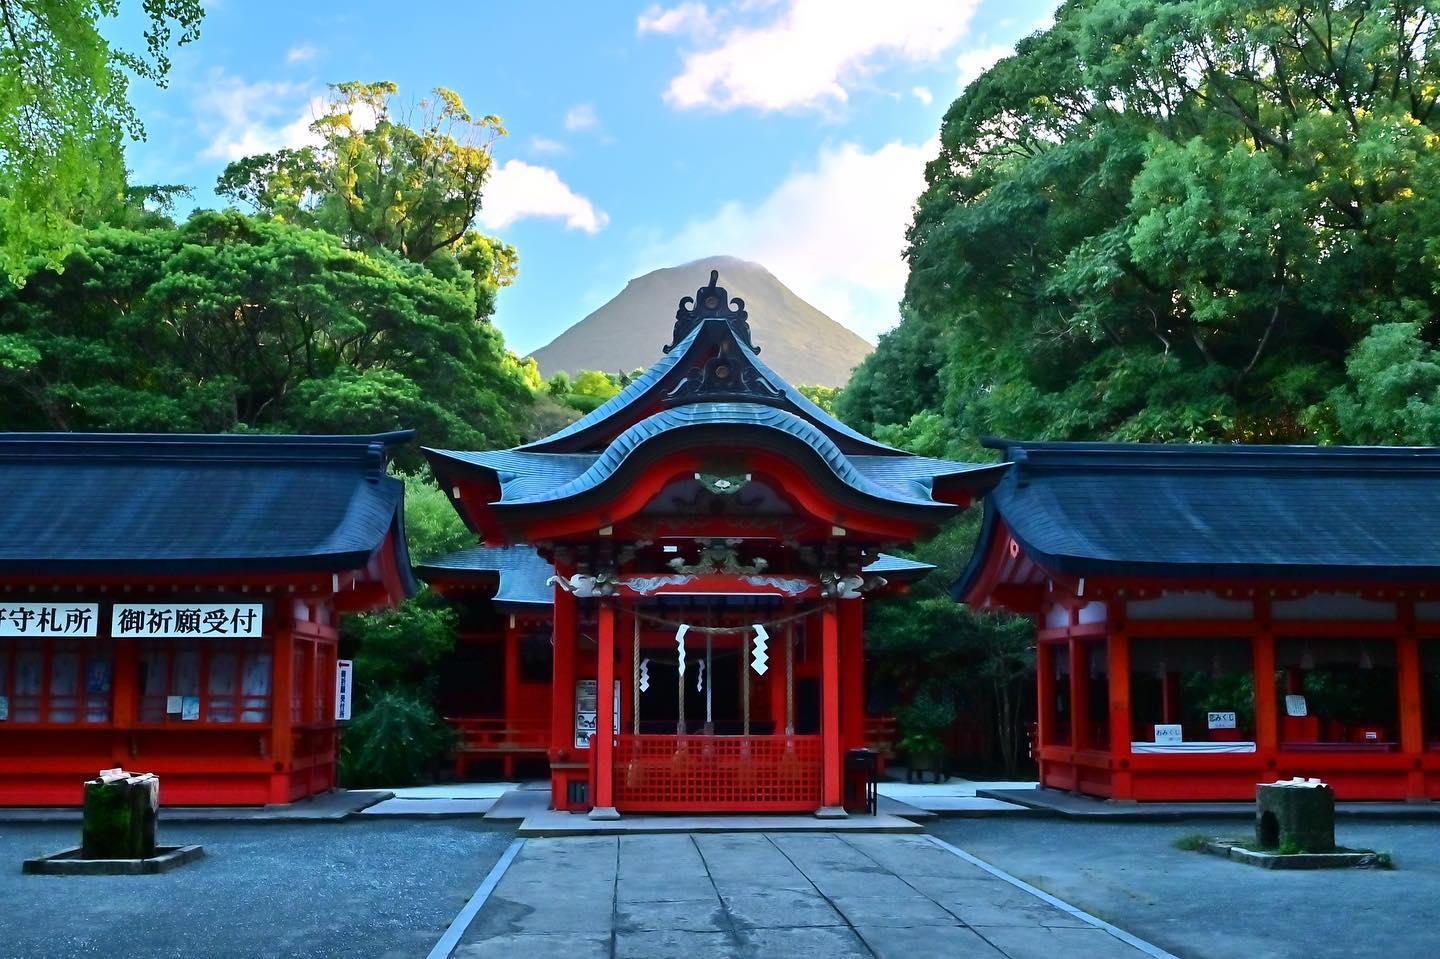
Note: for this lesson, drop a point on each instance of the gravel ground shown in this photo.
(361, 888)
(1202, 907)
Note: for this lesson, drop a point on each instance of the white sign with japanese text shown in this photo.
(344, 680)
(1221, 720)
(1169, 733)
(587, 703)
(170, 620)
(49, 619)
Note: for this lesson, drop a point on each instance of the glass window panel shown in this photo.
(186, 679)
(29, 680)
(98, 687)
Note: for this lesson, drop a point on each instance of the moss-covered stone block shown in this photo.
(119, 816)
(1296, 816)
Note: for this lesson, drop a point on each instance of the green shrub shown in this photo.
(396, 739)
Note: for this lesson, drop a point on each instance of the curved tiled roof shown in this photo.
(528, 478)
(1243, 510)
(176, 503)
(651, 386)
(524, 575)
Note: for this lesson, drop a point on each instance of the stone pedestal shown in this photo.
(1295, 816)
(120, 812)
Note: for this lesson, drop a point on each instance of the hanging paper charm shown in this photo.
(700, 678)
(680, 648)
(645, 674)
(760, 657)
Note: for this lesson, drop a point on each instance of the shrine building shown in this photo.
(670, 590)
(170, 603)
(1210, 617)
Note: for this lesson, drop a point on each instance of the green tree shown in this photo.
(408, 178)
(65, 113)
(228, 323)
(822, 396)
(432, 526)
(1174, 220)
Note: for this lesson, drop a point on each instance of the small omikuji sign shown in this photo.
(1170, 733)
(1221, 720)
(170, 620)
(344, 679)
(49, 619)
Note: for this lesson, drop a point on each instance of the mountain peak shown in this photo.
(803, 345)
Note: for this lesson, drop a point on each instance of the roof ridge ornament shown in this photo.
(712, 301)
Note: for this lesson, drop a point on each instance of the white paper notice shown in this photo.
(1221, 720)
(1169, 733)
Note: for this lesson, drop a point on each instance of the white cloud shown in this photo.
(688, 18)
(972, 63)
(923, 94)
(581, 117)
(545, 145)
(811, 52)
(242, 119)
(518, 190)
(300, 53)
(835, 233)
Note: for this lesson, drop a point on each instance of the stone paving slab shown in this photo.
(1056, 803)
(771, 895)
(332, 806)
(550, 822)
(426, 807)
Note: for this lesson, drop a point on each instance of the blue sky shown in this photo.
(792, 132)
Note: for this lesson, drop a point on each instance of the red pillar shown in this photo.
(1045, 703)
(1170, 698)
(603, 802)
(282, 736)
(562, 697)
(1267, 709)
(1118, 660)
(1079, 695)
(1412, 728)
(852, 673)
(512, 688)
(830, 785)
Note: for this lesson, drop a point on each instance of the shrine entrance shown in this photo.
(708, 538)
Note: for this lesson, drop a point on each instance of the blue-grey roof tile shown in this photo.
(524, 575)
(148, 503)
(1271, 510)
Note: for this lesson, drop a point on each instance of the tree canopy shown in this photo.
(385, 174)
(65, 113)
(227, 323)
(1180, 220)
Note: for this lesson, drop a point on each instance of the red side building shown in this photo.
(169, 603)
(1210, 617)
(713, 535)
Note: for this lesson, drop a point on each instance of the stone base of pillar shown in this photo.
(831, 812)
(605, 813)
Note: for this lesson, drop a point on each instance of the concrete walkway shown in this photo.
(767, 895)
(955, 797)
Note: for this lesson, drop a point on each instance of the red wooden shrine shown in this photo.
(653, 537)
(170, 604)
(1212, 617)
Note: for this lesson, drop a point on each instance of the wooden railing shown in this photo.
(497, 735)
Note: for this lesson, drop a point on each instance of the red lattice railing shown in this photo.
(717, 773)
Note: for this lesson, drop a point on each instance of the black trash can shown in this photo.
(861, 795)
